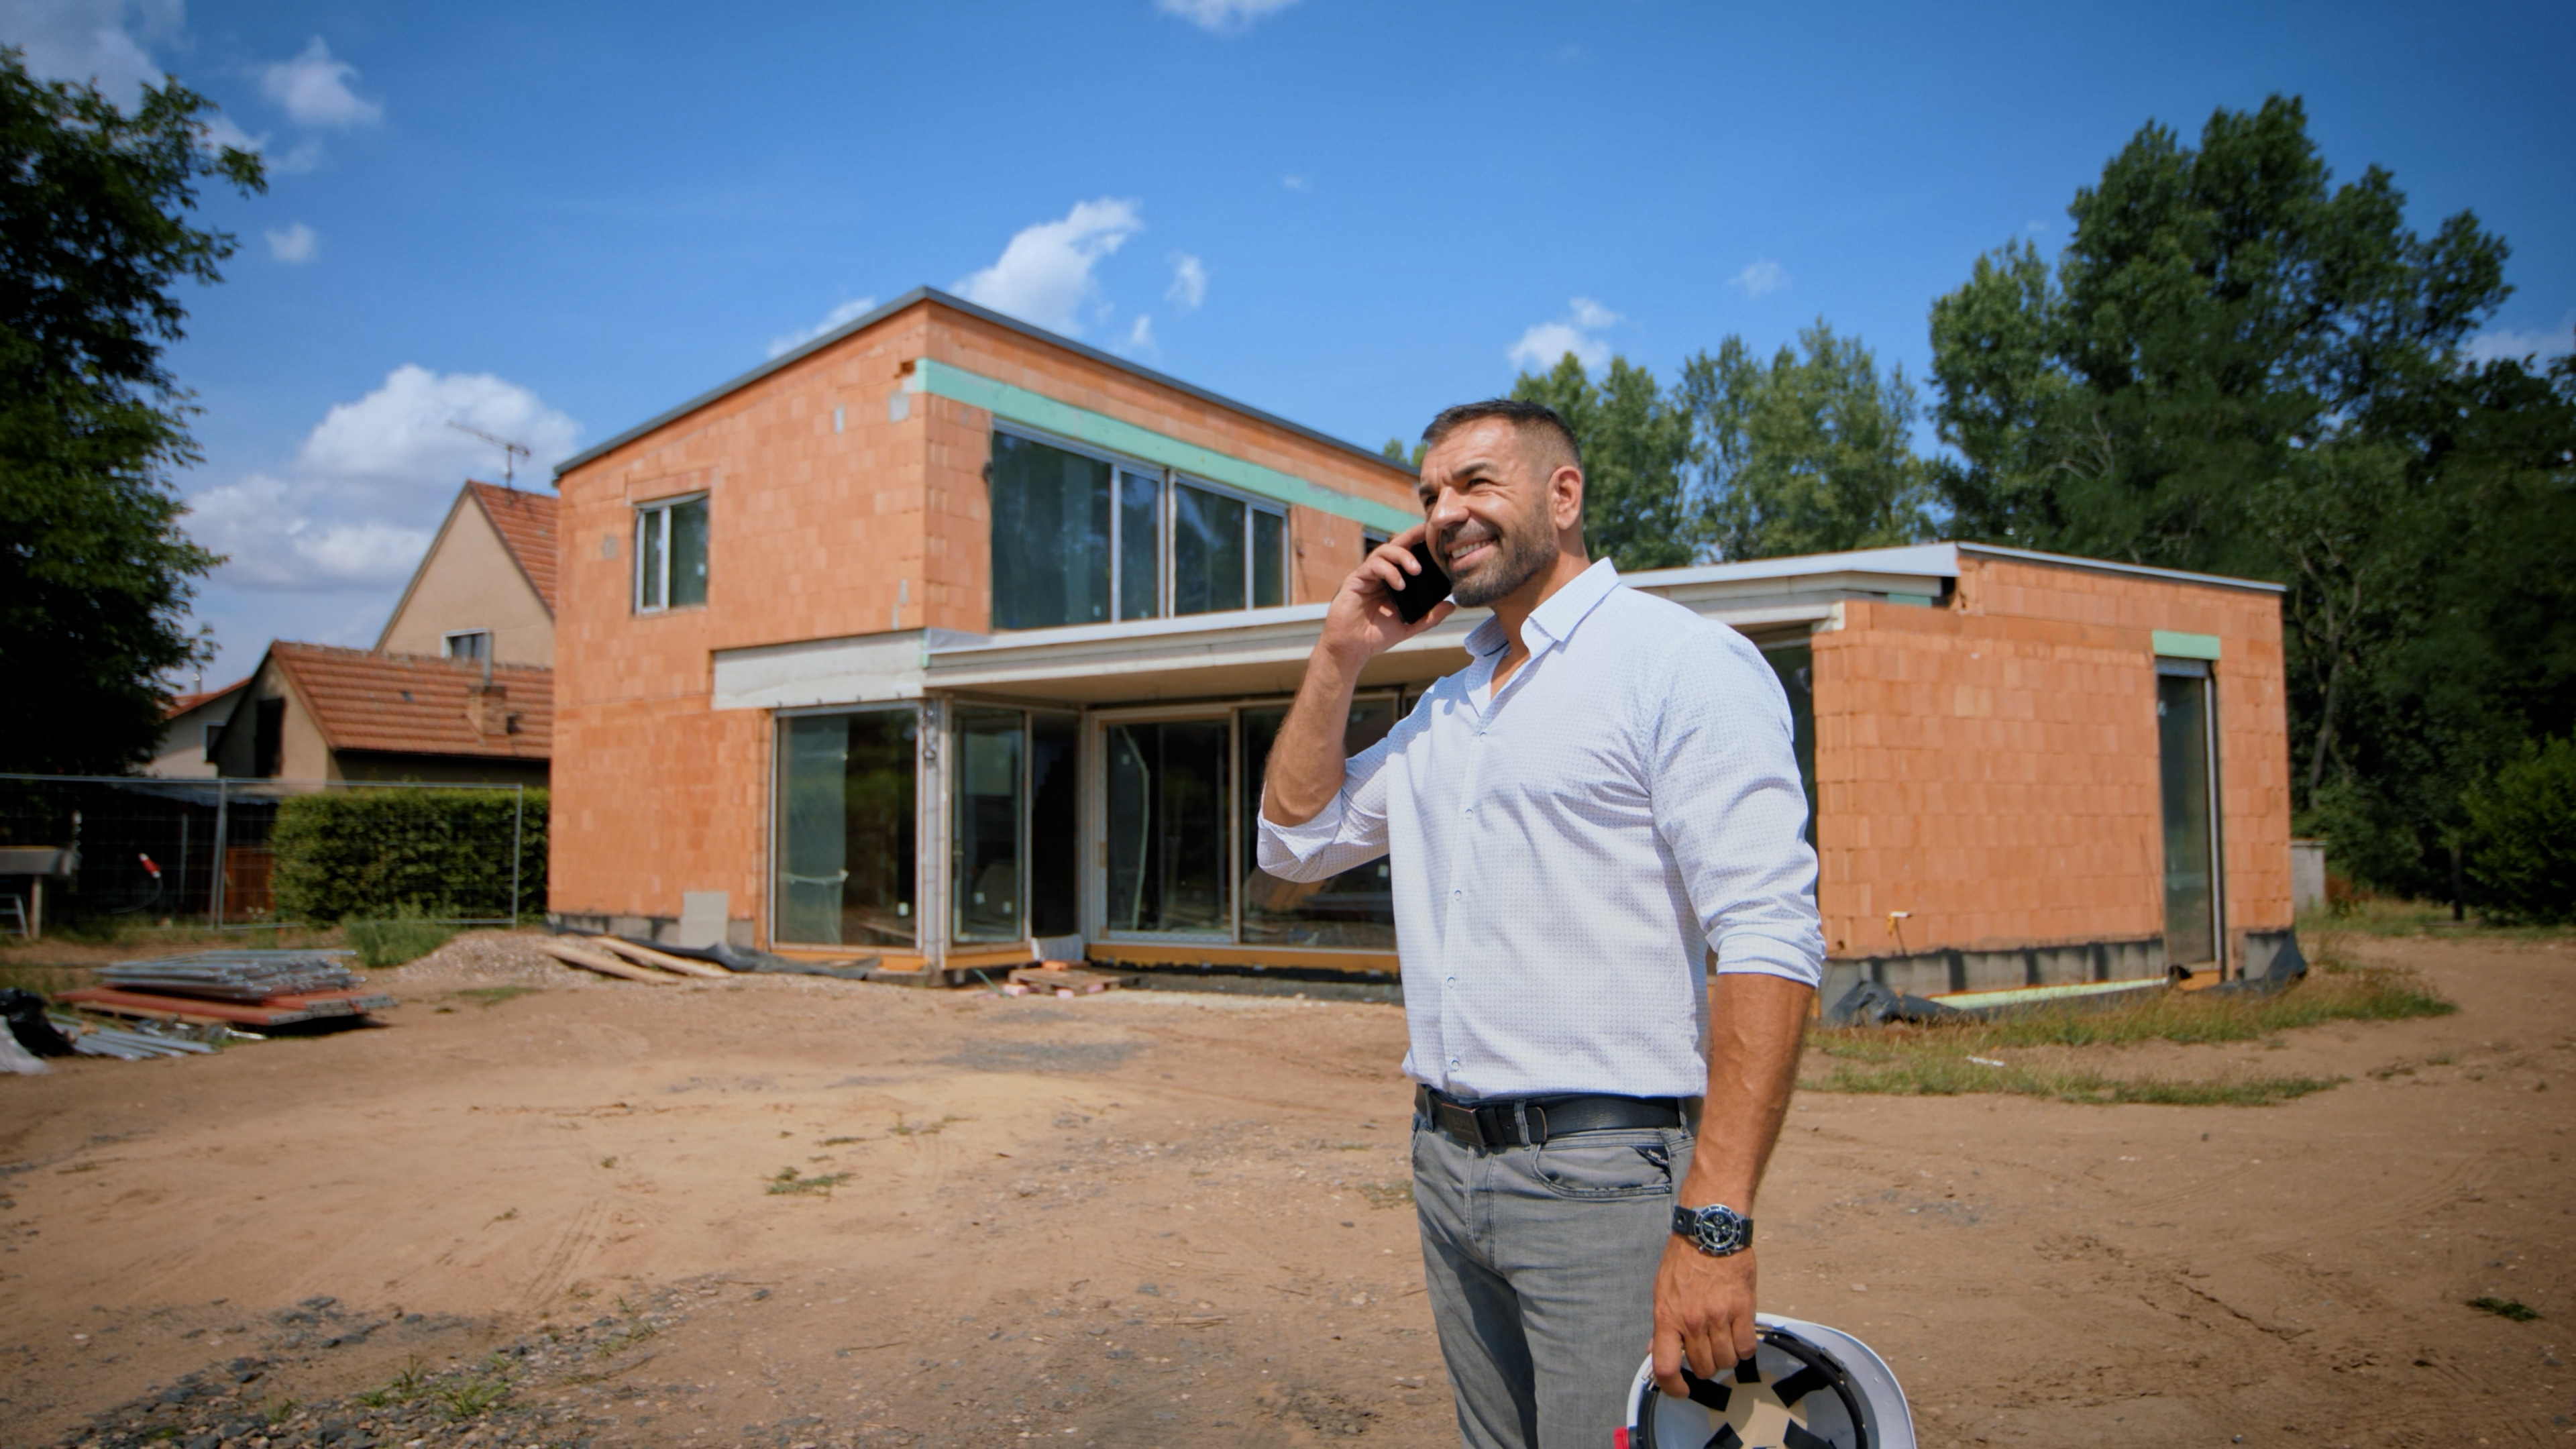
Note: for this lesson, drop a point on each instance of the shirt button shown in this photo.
(1457, 895)
(1453, 981)
(1453, 1064)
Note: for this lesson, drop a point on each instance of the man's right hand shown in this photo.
(1362, 622)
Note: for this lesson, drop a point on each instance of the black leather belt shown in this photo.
(1494, 1124)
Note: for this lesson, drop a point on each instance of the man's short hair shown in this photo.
(1523, 416)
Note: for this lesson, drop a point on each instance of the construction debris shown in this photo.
(664, 960)
(90, 1039)
(235, 975)
(235, 988)
(1058, 979)
(573, 954)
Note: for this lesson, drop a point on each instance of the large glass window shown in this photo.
(1355, 909)
(1079, 539)
(1050, 536)
(1169, 799)
(1140, 545)
(671, 554)
(2186, 739)
(1796, 666)
(846, 799)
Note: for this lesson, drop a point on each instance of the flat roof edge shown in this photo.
(2112, 566)
(919, 295)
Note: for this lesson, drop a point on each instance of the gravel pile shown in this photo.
(488, 958)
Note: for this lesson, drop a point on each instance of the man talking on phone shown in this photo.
(1603, 797)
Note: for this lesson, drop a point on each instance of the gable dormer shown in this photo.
(486, 587)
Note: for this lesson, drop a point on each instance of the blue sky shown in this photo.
(554, 221)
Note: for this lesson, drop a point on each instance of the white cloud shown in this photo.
(1140, 338)
(1760, 278)
(1221, 15)
(2493, 344)
(294, 246)
(1189, 282)
(1044, 275)
(1542, 346)
(89, 40)
(271, 542)
(313, 88)
(839, 317)
(1295, 182)
(359, 502)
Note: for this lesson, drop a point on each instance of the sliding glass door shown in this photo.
(1180, 820)
(1169, 797)
(1013, 837)
(845, 821)
(1354, 910)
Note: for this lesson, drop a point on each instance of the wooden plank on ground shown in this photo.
(188, 1008)
(647, 956)
(600, 961)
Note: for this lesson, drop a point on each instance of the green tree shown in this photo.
(1637, 510)
(2238, 366)
(95, 575)
(1811, 454)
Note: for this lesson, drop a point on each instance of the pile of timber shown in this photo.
(232, 988)
(623, 959)
(1057, 978)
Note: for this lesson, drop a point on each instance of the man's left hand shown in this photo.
(1703, 1309)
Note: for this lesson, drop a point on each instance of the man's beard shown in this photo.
(1520, 554)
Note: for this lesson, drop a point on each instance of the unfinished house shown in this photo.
(947, 640)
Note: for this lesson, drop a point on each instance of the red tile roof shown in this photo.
(182, 703)
(406, 704)
(526, 522)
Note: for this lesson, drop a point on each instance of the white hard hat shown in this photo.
(1806, 1387)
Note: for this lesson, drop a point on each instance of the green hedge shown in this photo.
(2522, 837)
(378, 852)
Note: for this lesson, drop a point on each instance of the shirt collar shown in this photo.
(1558, 618)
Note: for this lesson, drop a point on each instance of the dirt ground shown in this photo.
(1153, 1218)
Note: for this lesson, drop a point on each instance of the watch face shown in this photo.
(1715, 1230)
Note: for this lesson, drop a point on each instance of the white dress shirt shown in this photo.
(1564, 851)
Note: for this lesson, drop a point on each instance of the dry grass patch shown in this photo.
(1956, 1058)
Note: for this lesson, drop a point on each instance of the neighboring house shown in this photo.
(189, 730)
(486, 588)
(948, 639)
(458, 687)
(313, 712)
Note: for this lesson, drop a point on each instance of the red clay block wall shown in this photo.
(1991, 767)
(812, 533)
(815, 533)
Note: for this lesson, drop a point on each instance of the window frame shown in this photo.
(447, 645)
(1166, 480)
(925, 786)
(658, 512)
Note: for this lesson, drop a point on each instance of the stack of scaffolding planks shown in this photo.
(237, 988)
(610, 956)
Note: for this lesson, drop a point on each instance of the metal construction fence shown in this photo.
(247, 854)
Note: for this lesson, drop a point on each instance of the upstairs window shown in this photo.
(671, 554)
(473, 646)
(1084, 539)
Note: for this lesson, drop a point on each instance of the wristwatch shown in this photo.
(1717, 1230)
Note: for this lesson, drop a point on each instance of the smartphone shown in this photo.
(1423, 590)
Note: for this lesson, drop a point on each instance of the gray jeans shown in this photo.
(1540, 1266)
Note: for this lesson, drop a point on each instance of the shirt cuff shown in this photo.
(1744, 953)
(1284, 845)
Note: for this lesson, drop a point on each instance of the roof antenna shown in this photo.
(511, 452)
